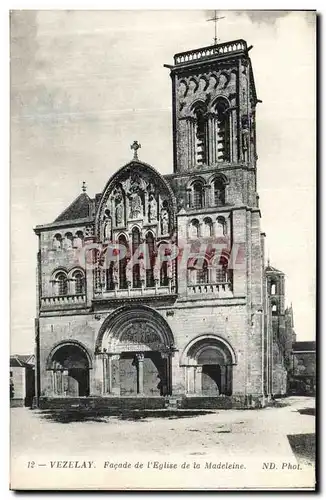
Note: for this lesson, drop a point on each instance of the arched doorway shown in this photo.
(70, 364)
(208, 362)
(136, 345)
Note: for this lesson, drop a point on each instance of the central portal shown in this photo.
(136, 345)
(143, 374)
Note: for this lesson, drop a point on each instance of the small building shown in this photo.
(302, 376)
(22, 379)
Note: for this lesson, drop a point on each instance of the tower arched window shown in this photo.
(274, 309)
(223, 273)
(193, 229)
(201, 154)
(164, 281)
(79, 280)
(67, 242)
(57, 242)
(222, 130)
(202, 271)
(122, 266)
(150, 260)
(136, 283)
(198, 195)
(220, 227)
(198, 271)
(219, 193)
(273, 288)
(62, 283)
(207, 228)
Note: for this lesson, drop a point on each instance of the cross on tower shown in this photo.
(215, 19)
(84, 187)
(135, 146)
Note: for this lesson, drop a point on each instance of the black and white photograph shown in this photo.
(163, 242)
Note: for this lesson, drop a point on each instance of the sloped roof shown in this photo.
(80, 208)
(304, 346)
(22, 360)
(272, 269)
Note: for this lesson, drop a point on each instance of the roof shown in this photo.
(304, 346)
(271, 269)
(22, 360)
(80, 208)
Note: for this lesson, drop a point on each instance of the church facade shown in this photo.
(155, 292)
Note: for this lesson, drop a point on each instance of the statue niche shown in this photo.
(119, 210)
(136, 206)
(136, 209)
(165, 218)
(152, 209)
(107, 227)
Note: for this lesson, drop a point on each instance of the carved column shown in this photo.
(115, 374)
(198, 379)
(54, 382)
(215, 132)
(105, 374)
(229, 375)
(212, 138)
(166, 376)
(230, 115)
(188, 124)
(192, 141)
(223, 379)
(140, 373)
(190, 371)
(206, 195)
(64, 382)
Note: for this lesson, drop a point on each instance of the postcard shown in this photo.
(162, 212)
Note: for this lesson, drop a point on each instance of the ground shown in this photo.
(283, 434)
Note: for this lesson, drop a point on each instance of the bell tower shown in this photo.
(214, 105)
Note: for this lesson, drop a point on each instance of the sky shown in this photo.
(86, 84)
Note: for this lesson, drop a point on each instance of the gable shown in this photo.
(80, 208)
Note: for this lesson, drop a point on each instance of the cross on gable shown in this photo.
(135, 146)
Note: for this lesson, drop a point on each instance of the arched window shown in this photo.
(274, 309)
(78, 239)
(79, 279)
(57, 242)
(194, 229)
(136, 283)
(207, 228)
(202, 271)
(273, 288)
(164, 281)
(201, 137)
(67, 242)
(220, 227)
(198, 195)
(150, 260)
(109, 275)
(222, 130)
(198, 271)
(219, 193)
(62, 282)
(223, 273)
(122, 267)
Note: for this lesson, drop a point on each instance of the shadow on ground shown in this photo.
(303, 447)
(104, 416)
(307, 411)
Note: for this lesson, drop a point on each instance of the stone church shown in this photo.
(155, 292)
